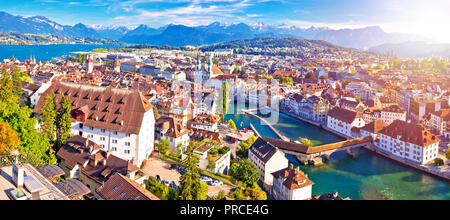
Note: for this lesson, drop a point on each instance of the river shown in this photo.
(367, 177)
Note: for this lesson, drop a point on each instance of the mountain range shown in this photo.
(181, 35)
(415, 49)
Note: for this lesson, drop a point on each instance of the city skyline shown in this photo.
(424, 18)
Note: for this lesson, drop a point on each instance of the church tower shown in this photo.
(90, 64)
(117, 65)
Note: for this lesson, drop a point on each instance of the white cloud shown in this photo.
(197, 12)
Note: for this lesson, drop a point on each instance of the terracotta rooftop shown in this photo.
(93, 161)
(410, 133)
(293, 178)
(119, 187)
(118, 110)
(374, 126)
(344, 115)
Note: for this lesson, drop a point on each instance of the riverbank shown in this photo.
(373, 149)
(368, 176)
(415, 166)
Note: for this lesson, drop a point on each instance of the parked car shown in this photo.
(158, 178)
(174, 166)
(205, 179)
(174, 186)
(216, 183)
(180, 170)
(166, 182)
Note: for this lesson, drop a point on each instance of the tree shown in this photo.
(232, 124)
(49, 116)
(438, 162)
(20, 119)
(9, 98)
(156, 113)
(211, 165)
(161, 191)
(63, 121)
(242, 150)
(247, 172)
(233, 169)
(253, 192)
(221, 195)
(306, 141)
(225, 98)
(202, 193)
(8, 139)
(17, 82)
(190, 184)
(163, 146)
(52, 160)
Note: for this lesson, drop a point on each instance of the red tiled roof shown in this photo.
(375, 126)
(293, 178)
(410, 133)
(119, 110)
(119, 187)
(343, 115)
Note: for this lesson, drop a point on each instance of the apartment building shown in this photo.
(291, 184)
(342, 120)
(119, 120)
(267, 158)
(408, 141)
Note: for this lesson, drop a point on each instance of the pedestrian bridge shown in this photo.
(307, 154)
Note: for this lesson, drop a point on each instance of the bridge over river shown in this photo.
(314, 155)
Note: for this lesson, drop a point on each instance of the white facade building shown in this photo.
(267, 158)
(408, 141)
(342, 121)
(120, 121)
(291, 184)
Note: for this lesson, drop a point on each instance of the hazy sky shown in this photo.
(429, 18)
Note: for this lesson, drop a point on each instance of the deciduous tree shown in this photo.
(8, 139)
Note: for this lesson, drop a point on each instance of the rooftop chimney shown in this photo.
(18, 173)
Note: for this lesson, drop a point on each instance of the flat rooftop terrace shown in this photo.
(48, 191)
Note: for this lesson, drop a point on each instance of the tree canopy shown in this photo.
(247, 172)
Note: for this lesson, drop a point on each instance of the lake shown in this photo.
(46, 52)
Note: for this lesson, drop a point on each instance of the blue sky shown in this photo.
(425, 17)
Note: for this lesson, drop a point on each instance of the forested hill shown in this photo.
(278, 46)
(28, 39)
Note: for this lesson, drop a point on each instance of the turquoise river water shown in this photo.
(366, 177)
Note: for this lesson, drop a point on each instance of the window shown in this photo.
(127, 135)
(103, 130)
(102, 138)
(122, 194)
(115, 132)
(114, 141)
(127, 144)
(127, 151)
(81, 126)
(116, 187)
(92, 128)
